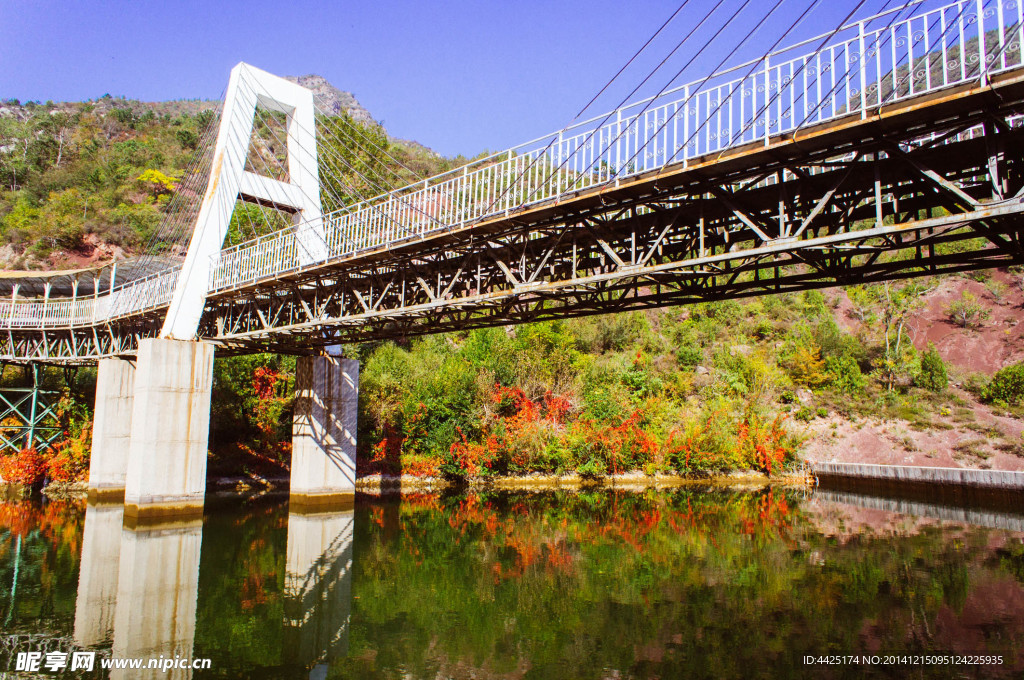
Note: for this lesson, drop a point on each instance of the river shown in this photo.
(681, 583)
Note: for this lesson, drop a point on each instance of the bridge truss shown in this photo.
(917, 190)
(888, 149)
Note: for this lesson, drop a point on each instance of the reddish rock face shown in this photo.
(996, 342)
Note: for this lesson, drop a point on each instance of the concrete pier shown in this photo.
(170, 429)
(318, 587)
(324, 431)
(97, 574)
(112, 429)
(157, 591)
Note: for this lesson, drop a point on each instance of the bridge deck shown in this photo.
(718, 205)
(918, 117)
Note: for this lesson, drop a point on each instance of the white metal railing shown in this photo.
(867, 64)
(918, 48)
(133, 297)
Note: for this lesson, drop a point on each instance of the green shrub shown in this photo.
(814, 303)
(689, 355)
(933, 371)
(805, 414)
(1006, 386)
(997, 289)
(592, 469)
(641, 383)
(764, 329)
(834, 341)
(844, 375)
(603, 403)
(966, 311)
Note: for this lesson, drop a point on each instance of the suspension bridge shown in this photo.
(885, 148)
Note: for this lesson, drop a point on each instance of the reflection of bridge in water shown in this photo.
(138, 589)
(886, 148)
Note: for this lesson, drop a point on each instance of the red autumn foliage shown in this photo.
(473, 457)
(264, 382)
(26, 467)
(523, 434)
(59, 521)
(769, 516)
(765, 442)
(19, 518)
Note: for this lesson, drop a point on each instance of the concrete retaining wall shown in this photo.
(984, 479)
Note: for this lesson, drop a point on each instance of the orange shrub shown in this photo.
(25, 467)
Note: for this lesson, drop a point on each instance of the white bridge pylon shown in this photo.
(248, 88)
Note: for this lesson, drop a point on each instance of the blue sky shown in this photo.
(460, 76)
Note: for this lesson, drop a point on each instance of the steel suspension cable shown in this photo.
(352, 140)
(667, 85)
(368, 204)
(356, 127)
(692, 32)
(200, 159)
(755, 115)
(622, 102)
(722, 100)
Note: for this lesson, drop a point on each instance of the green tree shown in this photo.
(966, 311)
(889, 306)
(844, 375)
(933, 370)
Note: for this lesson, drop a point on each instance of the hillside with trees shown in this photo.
(922, 372)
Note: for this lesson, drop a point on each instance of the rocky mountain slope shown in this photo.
(965, 432)
(332, 99)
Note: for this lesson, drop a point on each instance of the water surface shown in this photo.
(666, 584)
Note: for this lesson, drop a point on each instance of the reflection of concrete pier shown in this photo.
(158, 583)
(97, 574)
(318, 588)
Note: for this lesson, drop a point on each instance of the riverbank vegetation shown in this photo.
(703, 389)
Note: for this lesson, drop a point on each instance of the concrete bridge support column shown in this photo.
(324, 431)
(170, 429)
(111, 429)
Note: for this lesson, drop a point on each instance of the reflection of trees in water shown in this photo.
(670, 583)
(673, 582)
(39, 551)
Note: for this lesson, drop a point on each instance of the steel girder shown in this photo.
(79, 345)
(891, 205)
(919, 189)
